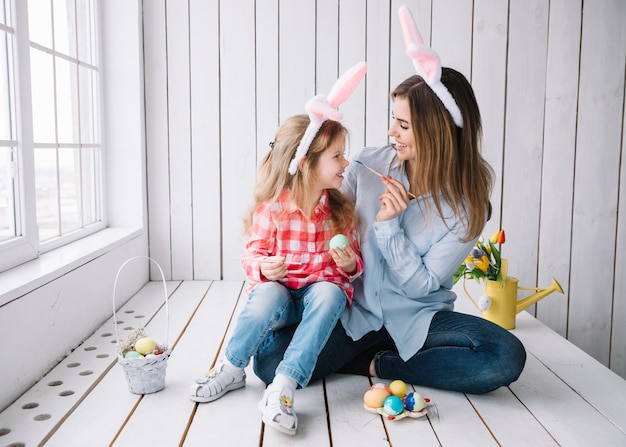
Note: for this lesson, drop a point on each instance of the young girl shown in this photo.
(295, 277)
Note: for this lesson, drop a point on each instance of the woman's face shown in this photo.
(401, 130)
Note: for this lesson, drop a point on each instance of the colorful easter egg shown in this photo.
(145, 345)
(398, 388)
(375, 397)
(393, 406)
(414, 402)
(338, 241)
(133, 355)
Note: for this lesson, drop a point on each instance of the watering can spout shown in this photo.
(542, 293)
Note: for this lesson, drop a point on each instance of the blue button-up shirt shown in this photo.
(409, 260)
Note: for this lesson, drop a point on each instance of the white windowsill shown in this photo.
(29, 276)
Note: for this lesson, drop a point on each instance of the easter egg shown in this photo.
(398, 388)
(133, 355)
(484, 302)
(375, 397)
(393, 406)
(338, 241)
(383, 386)
(145, 345)
(414, 402)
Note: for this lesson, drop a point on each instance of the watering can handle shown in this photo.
(470, 296)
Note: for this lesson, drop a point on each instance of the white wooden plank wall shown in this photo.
(549, 77)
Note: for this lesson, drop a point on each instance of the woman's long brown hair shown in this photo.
(449, 164)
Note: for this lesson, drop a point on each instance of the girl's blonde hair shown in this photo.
(449, 164)
(273, 175)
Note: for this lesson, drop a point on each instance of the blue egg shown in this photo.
(393, 406)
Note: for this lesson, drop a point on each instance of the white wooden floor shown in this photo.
(563, 398)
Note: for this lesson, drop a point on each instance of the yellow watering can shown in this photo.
(499, 303)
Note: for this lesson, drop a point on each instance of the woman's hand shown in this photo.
(393, 201)
(346, 259)
(274, 267)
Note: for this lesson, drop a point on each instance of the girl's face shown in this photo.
(401, 130)
(331, 165)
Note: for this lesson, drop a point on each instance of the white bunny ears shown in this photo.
(323, 107)
(427, 63)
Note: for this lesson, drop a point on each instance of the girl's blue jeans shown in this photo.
(310, 312)
(461, 353)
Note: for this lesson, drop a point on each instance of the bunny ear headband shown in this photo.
(323, 107)
(427, 63)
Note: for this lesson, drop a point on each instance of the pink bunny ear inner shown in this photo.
(346, 84)
(409, 27)
(426, 61)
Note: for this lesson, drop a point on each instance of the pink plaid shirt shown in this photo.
(280, 228)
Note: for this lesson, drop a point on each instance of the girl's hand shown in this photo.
(394, 201)
(274, 267)
(346, 259)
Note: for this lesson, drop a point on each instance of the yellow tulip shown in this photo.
(482, 263)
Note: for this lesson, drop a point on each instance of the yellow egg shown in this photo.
(374, 397)
(145, 345)
(398, 388)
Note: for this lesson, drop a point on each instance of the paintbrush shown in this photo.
(270, 259)
(374, 171)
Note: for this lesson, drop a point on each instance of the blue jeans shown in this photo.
(461, 353)
(310, 312)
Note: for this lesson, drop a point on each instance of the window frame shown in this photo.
(26, 245)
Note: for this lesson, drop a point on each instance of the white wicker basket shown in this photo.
(144, 375)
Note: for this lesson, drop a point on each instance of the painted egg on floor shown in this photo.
(375, 397)
(393, 406)
(398, 388)
(414, 402)
(383, 386)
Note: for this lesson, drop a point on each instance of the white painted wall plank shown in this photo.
(558, 158)
(452, 34)
(238, 126)
(488, 79)
(205, 138)
(157, 136)
(179, 127)
(376, 82)
(526, 72)
(600, 116)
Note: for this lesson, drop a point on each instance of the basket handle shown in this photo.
(167, 310)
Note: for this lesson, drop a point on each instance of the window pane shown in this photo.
(42, 84)
(88, 106)
(90, 185)
(69, 189)
(7, 131)
(64, 30)
(67, 101)
(85, 22)
(5, 14)
(40, 22)
(46, 185)
(7, 195)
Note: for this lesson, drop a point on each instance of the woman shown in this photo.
(401, 324)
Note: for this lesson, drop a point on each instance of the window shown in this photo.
(50, 151)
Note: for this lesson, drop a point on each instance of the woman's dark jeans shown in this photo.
(461, 353)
